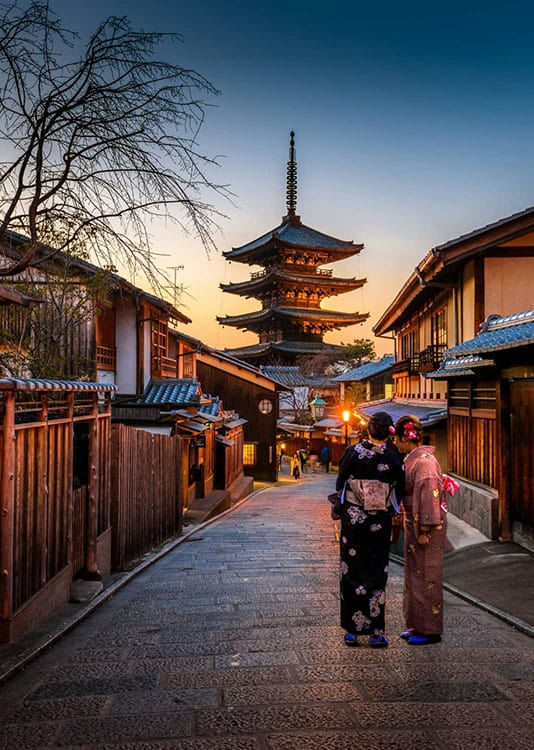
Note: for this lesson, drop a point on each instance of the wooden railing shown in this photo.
(431, 357)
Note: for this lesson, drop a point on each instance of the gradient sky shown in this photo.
(414, 124)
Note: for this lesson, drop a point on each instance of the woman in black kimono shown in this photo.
(370, 475)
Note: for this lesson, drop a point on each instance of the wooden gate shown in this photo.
(522, 460)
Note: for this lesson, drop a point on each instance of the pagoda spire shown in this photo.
(291, 187)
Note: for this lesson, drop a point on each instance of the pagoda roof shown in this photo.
(291, 348)
(336, 319)
(262, 281)
(293, 234)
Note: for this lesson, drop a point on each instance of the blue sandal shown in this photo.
(378, 641)
(350, 639)
(421, 639)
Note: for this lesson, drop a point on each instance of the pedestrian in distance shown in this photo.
(425, 535)
(295, 467)
(369, 474)
(325, 457)
(303, 459)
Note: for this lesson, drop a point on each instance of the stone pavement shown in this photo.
(230, 641)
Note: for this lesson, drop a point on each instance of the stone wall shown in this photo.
(477, 506)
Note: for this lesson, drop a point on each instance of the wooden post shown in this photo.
(91, 565)
(69, 468)
(7, 507)
(502, 444)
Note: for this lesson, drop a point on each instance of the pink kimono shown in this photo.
(423, 565)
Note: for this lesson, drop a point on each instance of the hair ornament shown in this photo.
(410, 432)
(392, 430)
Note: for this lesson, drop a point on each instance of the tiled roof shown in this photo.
(486, 228)
(290, 375)
(459, 366)
(308, 313)
(427, 414)
(171, 391)
(283, 347)
(294, 234)
(369, 369)
(40, 384)
(212, 409)
(499, 333)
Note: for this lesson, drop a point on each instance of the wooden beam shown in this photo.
(7, 506)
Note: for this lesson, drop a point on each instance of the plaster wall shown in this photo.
(508, 285)
(126, 347)
(466, 327)
(146, 354)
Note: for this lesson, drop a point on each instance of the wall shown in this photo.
(477, 506)
(126, 346)
(508, 285)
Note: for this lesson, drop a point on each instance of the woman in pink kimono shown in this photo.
(425, 533)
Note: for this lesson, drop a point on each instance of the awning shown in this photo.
(234, 423)
(224, 441)
(193, 427)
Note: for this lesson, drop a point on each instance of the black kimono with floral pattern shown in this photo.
(365, 538)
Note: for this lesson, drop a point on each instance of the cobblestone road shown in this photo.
(231, 642)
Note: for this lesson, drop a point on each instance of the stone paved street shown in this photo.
(231, 642)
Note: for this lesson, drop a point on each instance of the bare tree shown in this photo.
(100, 139)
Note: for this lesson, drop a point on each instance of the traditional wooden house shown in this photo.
(291, 287)
(56, 513)
(105, 329)
(446, 298)
(374, 379)
(255, 396)
(491, 426)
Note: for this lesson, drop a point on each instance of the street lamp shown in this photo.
(346, 417)
(317, 406)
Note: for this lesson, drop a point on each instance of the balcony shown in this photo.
(430, 358)
(106, 358)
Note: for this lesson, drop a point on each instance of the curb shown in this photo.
(509, 619)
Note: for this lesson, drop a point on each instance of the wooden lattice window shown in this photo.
(249, 454)
(409, 344)
(159, 338)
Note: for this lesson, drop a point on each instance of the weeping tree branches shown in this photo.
(96, 141)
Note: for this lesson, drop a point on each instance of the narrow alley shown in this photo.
(231, 642)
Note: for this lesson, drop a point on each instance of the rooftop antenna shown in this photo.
(291, 189)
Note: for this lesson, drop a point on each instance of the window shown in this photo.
(159, 338)
(438, 329)
(409, 344)
(249, 454)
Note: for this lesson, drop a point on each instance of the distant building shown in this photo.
(374, 377)
(291, 287)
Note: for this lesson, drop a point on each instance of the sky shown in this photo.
(414, 124)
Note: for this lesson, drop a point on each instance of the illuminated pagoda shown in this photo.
(291, 287)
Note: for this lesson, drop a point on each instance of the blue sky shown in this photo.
(414, 124)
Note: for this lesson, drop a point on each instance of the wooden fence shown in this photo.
(44, 534)
(472, 447)
(148, 486)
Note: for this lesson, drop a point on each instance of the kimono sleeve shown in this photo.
(427, 492)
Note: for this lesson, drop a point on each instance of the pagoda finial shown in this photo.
(291, 190)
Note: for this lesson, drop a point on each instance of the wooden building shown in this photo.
(291, 286)
(56, 515)
(255, 396)
(491, 426)
(450, 293)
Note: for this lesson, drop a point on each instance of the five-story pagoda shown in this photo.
(291, 322)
